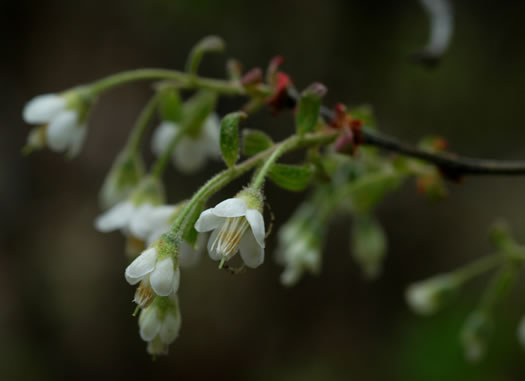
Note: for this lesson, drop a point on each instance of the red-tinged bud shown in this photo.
(272, 71)
(280, 99)
(253, 77)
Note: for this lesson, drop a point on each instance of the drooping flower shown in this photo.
(193, 149)
(158, 273)
(60, 120)
(123, 177)
(159, 324)
(428, 296)
(237, 225)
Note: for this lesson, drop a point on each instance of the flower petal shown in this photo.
(170, 328)
(256, 221)
(141, 266)
(77, 140)
(149, 324)
(42, 108)
(140, 223)
(162, 137)
(116, 217)
(208, 221)
(251, 252)
(212, 249)
(61, 130)
(232, 207)
(162, 277)
(190, 155)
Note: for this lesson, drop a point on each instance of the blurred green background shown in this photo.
(66, 308)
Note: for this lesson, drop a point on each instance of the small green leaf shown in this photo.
(230, 137)
(309, 108)
(170, 105)
(291, 177)
(368, 245)
(207, 44)
(255, 141)
(189, 234)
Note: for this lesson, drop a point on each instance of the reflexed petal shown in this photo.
(162, 277)
(190, 155)
(77, 140)
(213, 253)
(115, 218)
(162, 136)
(149, 324)
(42, 108)
(256, 221)
(251, 252)
(208, 221)
(170, 328)
(232, 207)
(61, 130)
(142, 265)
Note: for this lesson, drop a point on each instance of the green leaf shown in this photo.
(291, 177)
(230, 137)
(170, 105)
(368, 245)
(189, 234)
(309, 108)
(255, 141)
(207, 44)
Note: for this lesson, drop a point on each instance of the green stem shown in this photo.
(161, 163)
(498, 287)
(476, 268)
(226, 176)
(141, 125)
(182, 80)
(258, 180)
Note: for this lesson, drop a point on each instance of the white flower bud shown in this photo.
(428, 296)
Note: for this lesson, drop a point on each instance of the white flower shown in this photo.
(63, 128)
(159, 324)
(237, 224)
(191, 151)
(155, 271)
(427, 297)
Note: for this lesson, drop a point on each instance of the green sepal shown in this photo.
(291, 177)
(229, 140)
(206, 45)
(368, 244)
(309, 108)
(170, 107)
(255, 141)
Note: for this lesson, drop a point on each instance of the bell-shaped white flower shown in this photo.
(63, 128)
(152, 268)
(237, 225)
(159, 324)
(192, 150)
(428, 296)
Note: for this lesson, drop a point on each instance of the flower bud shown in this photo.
(475, 334)
(428, 296)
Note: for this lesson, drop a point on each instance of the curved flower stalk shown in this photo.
(193, 149)
(237, 225)
(60, 119)
(159, 324)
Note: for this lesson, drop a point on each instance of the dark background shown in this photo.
(65, 310)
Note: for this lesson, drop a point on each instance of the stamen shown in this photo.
(229, 237)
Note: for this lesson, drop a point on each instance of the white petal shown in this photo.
(77, 140)
(162, 277)
(42, 108)
(170, 328)
(149, 324)
(162, 137)
(213, 253)
(140, 223)
(211, 132)
(61, 130)
(116, 217)
(256, 221)
(141, 266)
(190, 155)
(232, 207)
(208, 221)
(251, 252)
(189, 257)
